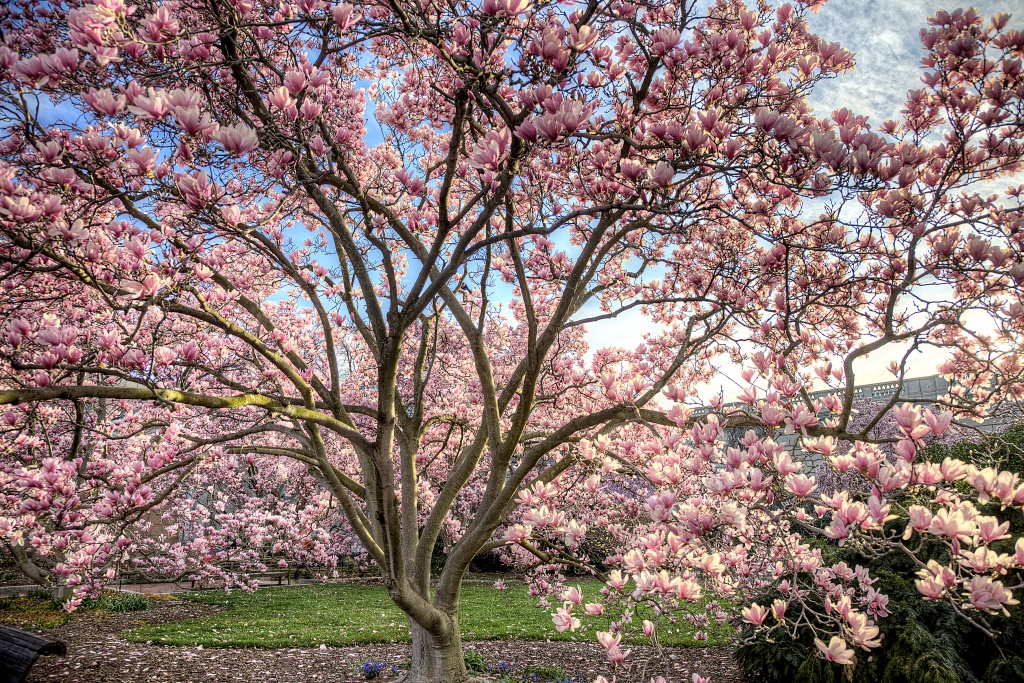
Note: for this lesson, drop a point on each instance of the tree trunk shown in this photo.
(434, 659)
(32, 572)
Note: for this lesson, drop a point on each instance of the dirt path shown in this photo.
(97, 655)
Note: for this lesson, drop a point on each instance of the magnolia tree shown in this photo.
(237, 517)
(734, 522)
(366, 239)
(103, 488)
(72, 492)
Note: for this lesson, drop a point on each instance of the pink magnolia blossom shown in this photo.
(237, 138)
(661, 174)
(345, 16)
(836, 650)
(986, 595)
(564, 620)
(755, 614)
(489, 153)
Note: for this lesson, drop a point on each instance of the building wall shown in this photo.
(929, 388)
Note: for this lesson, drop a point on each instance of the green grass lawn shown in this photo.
(348, 614)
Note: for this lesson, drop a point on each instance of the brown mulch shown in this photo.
(97, 655)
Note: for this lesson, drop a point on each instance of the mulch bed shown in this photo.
(97, 655)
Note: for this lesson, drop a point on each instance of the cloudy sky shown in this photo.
(884, 36)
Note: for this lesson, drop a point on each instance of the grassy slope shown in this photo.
(304, 616)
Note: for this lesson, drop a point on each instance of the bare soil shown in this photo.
(96, 654)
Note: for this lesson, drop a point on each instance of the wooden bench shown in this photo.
(282, 575)
(279, 575)
(274, 575)
(19, 651)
